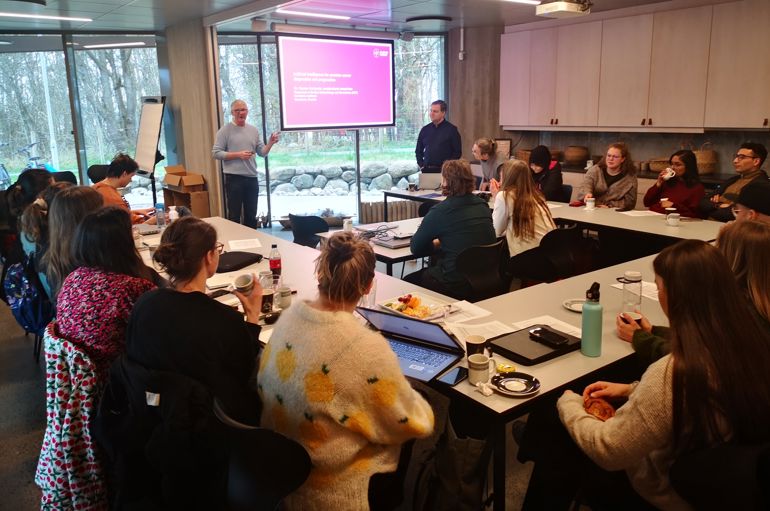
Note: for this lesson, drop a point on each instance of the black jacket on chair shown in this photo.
(165, 447)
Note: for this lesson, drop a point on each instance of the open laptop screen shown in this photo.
(412, 328)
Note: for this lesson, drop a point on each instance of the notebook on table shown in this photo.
(424, 349)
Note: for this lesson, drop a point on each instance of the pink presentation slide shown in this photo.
(330, 83)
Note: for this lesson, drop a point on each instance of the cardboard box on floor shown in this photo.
(182, 188)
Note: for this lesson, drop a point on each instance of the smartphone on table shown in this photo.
(454, 376)
(548, 337)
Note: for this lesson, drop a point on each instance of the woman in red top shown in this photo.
(683, 191)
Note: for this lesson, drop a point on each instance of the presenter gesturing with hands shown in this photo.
(236, 144)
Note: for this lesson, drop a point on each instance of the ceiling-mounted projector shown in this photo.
(563, 9)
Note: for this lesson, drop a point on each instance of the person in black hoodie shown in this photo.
(547, 174)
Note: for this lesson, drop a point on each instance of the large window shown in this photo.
(35, 120)
(112, 78)
(314, 172)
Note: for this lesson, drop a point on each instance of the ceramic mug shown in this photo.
(480, 368)
(475, 344)
(244, 283)
(672, 219)
(669, 173)
(590, 203)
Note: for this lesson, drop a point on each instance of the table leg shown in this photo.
(389, 266)
(385, 209)
(498, 466)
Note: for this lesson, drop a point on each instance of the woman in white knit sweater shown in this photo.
(336, 387)
(712, 388)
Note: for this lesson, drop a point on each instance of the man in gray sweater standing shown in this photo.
(235, 146)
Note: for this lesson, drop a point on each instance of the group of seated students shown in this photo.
(335, 387)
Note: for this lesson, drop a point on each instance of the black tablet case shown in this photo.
(518, 346)
(231, 261)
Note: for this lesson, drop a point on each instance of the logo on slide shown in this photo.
(377, 52)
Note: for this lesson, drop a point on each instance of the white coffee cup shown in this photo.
(475, 344)
(668, 174)
(480, 368)
(590, 203)
(244, 283)
(672, 219)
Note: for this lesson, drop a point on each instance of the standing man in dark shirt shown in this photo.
(438, 141)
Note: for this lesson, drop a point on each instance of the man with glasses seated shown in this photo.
(747, 162)
(753, 203)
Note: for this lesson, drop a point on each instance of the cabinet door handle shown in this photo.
(557, 120)
(765, 123)
(649, 121)
(552, 120)
(643, 121)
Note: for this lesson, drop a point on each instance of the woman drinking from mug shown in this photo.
(611, 182)
(677, 187)
(180, 329)
(684, 402)
(336, 387)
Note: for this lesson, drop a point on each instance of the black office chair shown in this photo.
(566, 193)
(65, 176)
(97, 173)
(480, 266)
(305, 228)
(726, 476)
(561, 248)
(264, 466)
(424, 207)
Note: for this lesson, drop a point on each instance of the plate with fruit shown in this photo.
(417, 306)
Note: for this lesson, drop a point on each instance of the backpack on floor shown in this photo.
(27, 298)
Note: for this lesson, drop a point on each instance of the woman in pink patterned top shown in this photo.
(96, 299)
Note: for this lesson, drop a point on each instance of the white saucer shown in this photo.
(574, 304)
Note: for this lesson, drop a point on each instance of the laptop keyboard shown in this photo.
(418, 354)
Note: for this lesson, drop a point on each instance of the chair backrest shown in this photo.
(726, 476)
(65, 176)
(97, 173)
(305, 228)
(480, 266)
(264, 466)
(425, 207)
(559, 247)
(566, 193)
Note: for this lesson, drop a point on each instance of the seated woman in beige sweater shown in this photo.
(336, 387)
(687, 400)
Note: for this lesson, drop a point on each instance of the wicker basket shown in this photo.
(576, 155)
(706, 158)
(523, 154)
(658, 164)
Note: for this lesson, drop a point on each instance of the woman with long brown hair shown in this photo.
(520, 212)
(712, 388)
(612, 181)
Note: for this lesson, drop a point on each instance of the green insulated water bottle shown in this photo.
(591, 338)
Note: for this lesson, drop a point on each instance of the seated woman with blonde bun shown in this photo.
(336, 387)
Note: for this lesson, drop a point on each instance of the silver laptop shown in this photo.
(424, 349)
(392, 241)
(429, 181)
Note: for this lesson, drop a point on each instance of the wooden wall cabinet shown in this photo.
(514, 79)
(542, 77)
(739, 67)
(578, 64)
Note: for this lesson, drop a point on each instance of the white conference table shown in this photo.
(389, 256)
(298, 263)
(640, 221)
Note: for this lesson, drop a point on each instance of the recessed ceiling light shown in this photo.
(528, 2)
(113, 45)
(313, 14)
(428, 18)
(41, 17)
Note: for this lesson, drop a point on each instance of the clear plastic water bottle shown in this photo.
(160, 215)
(632, 291)
(275, 260)
(173, 214)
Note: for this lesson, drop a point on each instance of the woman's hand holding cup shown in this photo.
(627, 324)
(251, 300)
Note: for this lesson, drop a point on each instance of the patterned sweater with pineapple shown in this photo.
(336, 387)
